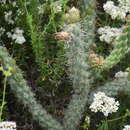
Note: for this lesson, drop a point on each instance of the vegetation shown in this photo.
(65, 64)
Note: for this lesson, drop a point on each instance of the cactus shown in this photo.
(112, 88)
(25, 95)
(82, 36)
(87, 6)
(120, 49)
(77, 50)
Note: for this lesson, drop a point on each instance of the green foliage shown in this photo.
(48, 53)
(51, 58)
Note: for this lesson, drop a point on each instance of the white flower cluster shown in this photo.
(59, 8)
(121, 74)
(119, 11)
(3, 2)
(17, 36)
(11, 16)
(2, 30)
(8, 17)
(104, 104)
(127, 127)
(108, 34)
(7, 125)
(41, 9)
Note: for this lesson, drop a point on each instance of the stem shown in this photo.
(119, 118)
(106, 125)
(3, 99)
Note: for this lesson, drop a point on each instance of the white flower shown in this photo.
(2, 30)
(9, 34)
(121, 74)
(7, 125)
(3, 2)
(124, 4)
(119, 11)
(8, 17)
(18, 36)
(127, 127)
(104, 104)
(14, 4)
(58, 9)
(108, 34)
(41, 9)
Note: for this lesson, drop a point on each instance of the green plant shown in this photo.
(120, 49)
(49, 57)
(19, 85)
(6, 73)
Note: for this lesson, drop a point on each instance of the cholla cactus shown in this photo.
(121, 42)
(112, 88)
(82, 36)
(25, 95)
(120, 48)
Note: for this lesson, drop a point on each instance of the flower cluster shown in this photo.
(121, 74)
(108, 34)
(4, 2)
(127, 127)
(104, 104)
(41, 9)
(17, 36)
(7, 125)
(119, 11)
(10, 17)
(2, 30)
